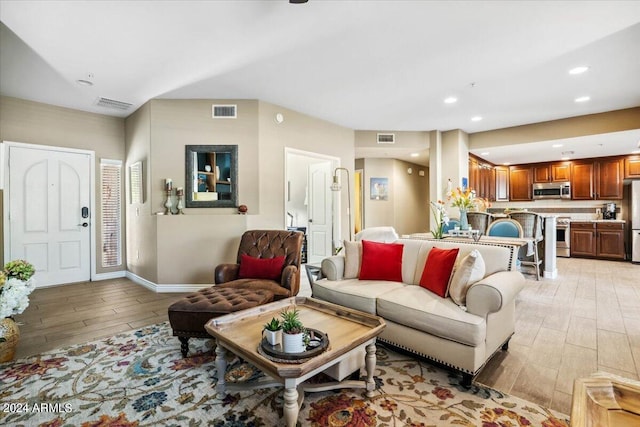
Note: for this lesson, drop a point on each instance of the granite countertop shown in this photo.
(598, 220)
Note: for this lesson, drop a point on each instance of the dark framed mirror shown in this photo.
(211, 176)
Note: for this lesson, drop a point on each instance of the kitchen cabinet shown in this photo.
(502, 183)
(582, 181)
(482, 179)
(610, 240)
(609, 176)
(542, 173)
(632, 167)
(597, 240)
(597, 180)
(561, 172)
(474, 173)
(583, 239)
(552, 172)
(520, 183)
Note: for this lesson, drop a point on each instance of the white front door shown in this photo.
(49, 219)
(320, 221)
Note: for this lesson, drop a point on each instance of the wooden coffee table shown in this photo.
(351, 334)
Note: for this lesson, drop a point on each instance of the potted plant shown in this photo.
(16, 284)
(293, 332)
(273, 331)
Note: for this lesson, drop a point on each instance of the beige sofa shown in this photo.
(463, 338)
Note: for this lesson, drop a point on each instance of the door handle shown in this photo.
(84, 224)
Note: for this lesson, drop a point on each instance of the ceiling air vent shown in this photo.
(386, 138)
(112, 103)
(225, 111)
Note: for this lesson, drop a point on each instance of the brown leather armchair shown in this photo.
(266, 244)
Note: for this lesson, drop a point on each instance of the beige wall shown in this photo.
(41, 124)
(186, 249)
(407, 208)
(300, 132)
(592, 124)
(141, 254)
(411, 204)
(417, 140)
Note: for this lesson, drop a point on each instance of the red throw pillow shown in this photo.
(437, 270)
(260, 268)
(381, 261)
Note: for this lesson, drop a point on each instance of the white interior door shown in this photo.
(48, 193)
(320, 220)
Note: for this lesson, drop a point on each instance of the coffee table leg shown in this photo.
(370, 365)
(221, 366)
(291, 407)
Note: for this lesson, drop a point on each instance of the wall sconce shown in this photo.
(409, 171)
(335, 186)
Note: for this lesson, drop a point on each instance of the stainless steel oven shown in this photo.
(563, 237)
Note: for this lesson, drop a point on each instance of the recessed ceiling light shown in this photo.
(450, 100)
(582, 99)
(635, 152)
(484, 153)
(414, 154)
(564, 158)
(476, 118)
(506, 163)
(556, 145)
(578, 70)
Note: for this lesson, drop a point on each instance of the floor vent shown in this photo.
(112, 103)
(225, 111)
(386, 138)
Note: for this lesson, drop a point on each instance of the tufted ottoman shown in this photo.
(188, 315)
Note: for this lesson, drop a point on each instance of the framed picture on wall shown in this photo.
(379, 189)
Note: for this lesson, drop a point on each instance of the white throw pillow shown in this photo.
(353, 259)
(470, 269)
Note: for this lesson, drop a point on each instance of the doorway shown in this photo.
(48, 199)
(308, 200)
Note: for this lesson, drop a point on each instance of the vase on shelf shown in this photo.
(9, 336)
(464, 224)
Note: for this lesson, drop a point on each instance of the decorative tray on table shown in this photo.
(318, 343)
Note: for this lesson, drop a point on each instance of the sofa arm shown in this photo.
(333, 267)
(492, 293)
(226, 272)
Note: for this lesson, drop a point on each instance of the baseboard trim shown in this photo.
(107, 276)
(164, 288)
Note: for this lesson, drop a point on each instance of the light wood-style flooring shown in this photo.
(63, 315)
(585, 320)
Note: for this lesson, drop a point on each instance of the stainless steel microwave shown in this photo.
(552, 190)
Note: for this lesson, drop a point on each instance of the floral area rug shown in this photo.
(141, 379)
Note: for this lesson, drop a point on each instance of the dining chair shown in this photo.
(505, 227)
(531, 223)
(479, 221)
(453, 222)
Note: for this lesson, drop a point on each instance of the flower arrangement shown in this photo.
(441, 218)
(15, 286)
(463, 200)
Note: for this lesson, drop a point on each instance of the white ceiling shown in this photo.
(360, 64)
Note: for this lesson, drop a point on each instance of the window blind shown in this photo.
(111, 180)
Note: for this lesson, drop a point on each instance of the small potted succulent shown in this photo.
(293, 332)
(273, 331)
